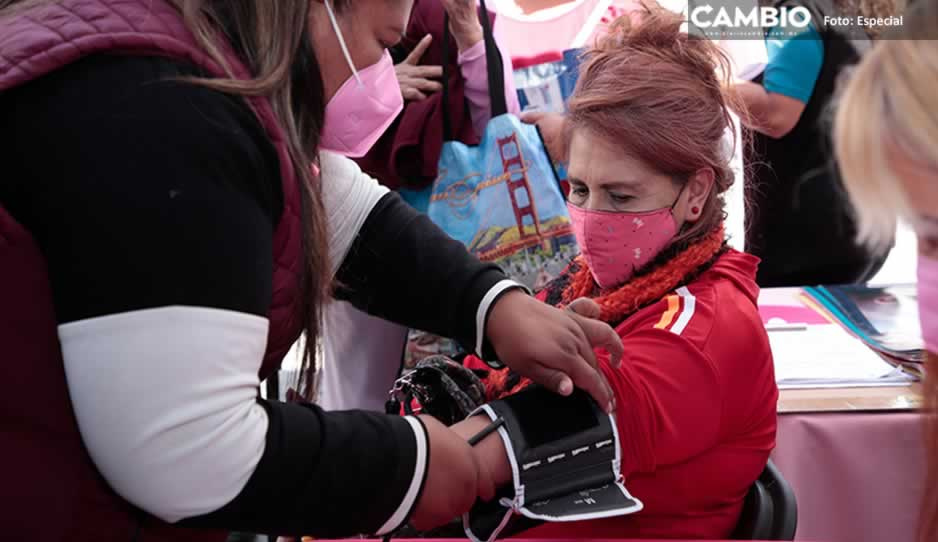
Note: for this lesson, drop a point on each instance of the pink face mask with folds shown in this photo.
(928, 300)
(615, 244)
(363, 107)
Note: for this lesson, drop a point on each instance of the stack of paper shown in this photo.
(885, 317)
(826, 356)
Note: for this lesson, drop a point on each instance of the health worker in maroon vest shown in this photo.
(176, 207)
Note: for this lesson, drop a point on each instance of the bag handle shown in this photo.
(493, 64)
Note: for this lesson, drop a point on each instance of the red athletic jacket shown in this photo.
(696, 400)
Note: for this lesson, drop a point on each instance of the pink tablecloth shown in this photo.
(525, 540)
(857, 477)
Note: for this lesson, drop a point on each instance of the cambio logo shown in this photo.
(765, 17)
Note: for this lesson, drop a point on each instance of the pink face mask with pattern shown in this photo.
(616, 244)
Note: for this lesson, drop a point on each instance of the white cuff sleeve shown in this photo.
(349, 195)
(405, 509)
(483, 311)
(165, 402)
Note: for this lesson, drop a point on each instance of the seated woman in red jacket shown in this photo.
(695, 392)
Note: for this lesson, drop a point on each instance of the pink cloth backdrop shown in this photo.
(529, 540)
(533, 34)
(857, 476)
(548, 26)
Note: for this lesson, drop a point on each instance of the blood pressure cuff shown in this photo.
(565, 461)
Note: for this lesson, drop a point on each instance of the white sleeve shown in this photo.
(169, 416)
(349, 195)
(362, 357)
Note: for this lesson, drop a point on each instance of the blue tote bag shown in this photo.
(501, 198)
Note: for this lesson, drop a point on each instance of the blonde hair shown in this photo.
(890, 107)
(889, 104)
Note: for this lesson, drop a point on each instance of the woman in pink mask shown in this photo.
(405, 159)
(696, 392)
(168, 230)
(886, 136)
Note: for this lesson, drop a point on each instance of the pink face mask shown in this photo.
(363, 107)
(928, 300)
(616, 244)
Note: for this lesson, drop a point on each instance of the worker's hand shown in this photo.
(554, 347)
(464, 22)
(551, 127)
(452, 478)
(490, 453)
(416, 81)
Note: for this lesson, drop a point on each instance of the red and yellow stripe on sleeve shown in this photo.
(680, 310)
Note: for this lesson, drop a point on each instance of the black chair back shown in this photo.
(770, 511)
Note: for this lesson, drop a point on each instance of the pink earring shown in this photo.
(695, 209)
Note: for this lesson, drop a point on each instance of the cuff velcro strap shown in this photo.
(565, 461)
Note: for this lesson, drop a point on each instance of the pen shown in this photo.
(786, 327)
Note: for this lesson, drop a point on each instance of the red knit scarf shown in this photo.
(618, 304)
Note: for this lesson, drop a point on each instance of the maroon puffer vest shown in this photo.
(49, 488)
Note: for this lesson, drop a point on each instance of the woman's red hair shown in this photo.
(662, 97)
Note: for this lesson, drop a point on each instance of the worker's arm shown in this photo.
(154, 202)
(775, 107)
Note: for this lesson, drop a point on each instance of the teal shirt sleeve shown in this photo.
(794, 63)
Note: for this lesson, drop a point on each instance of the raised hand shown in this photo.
(416, 81)
(551, 127)
(464, 22)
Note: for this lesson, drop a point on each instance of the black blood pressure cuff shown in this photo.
(565, 462)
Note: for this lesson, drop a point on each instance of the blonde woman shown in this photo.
(886, 140)
(163, 242)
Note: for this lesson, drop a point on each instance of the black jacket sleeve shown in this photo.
(327, 475)
(144, 192)
(403, 268)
